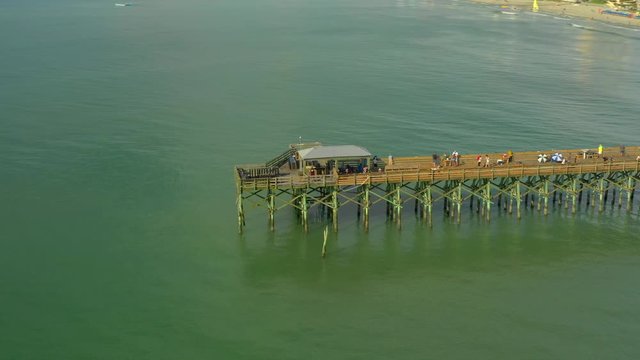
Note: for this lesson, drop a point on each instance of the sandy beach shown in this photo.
(584, 10)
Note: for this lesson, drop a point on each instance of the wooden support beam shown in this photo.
(271, 206)
(546, 196)
(592, 192)
(518, 199)
(539, 198)
(424, 194)
(423, 200)
(459, 201)
(365, 202)
(304, 210)
(324, 242)
(620, 197)
(580, 193)
(388, 203)
(334, 204)
(630, 189)
(487, 200)
(397, 203)
(601, 194)
(241, 222)
(574, 193)
(429, 199)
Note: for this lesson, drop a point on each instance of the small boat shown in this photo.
(123, 4)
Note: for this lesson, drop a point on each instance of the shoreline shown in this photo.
(585, 11)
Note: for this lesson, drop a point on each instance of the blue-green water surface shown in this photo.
(121, 125)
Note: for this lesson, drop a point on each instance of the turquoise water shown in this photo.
(120, 127)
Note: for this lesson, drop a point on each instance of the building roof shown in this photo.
(333, 152)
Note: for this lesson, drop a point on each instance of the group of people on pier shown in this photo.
(482, 161)
(345, 168)
(446, 160)
(506, 158)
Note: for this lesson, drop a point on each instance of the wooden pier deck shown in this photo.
(420, 168)
(415, 178)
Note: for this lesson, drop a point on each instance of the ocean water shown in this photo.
(121, 125)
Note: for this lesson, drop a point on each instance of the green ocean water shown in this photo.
(120, 127)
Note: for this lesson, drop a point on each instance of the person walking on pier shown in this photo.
(479, 159)
(600, 148)
(503, 160)
(292, 162)
(454, 158)
(487, 161)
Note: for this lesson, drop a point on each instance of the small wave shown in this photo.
(621, 27)
(609, 32)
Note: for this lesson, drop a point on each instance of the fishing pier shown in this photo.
(312, 177)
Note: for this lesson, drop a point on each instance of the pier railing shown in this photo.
(267, 178)
(254, 172)
(289, 181)
(280, 159)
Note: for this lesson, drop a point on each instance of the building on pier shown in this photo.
(343, 159)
